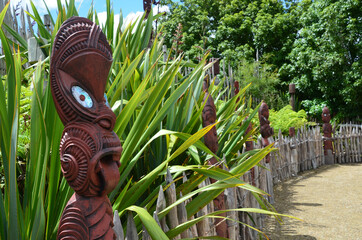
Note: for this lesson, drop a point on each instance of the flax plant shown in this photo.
(158, 121)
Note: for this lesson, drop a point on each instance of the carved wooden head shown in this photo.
(265, 129)
(208, 118)
(236, 87)
(326, 116)
(263, 114)
(89, 150)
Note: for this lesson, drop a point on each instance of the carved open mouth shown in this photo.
(107, 168)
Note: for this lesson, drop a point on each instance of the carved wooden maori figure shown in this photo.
(327, 133)
(89, 149)
(265, 129)
(209, 118)
(236, 91)
(249, 145)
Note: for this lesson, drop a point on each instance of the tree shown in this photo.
(315, 44)
(234, 29)
(325, 62)
(263, 80)
(199, 20)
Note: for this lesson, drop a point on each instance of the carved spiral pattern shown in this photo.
(82, 136)
(77, 148)
(75, 168)
(70, 167)
(73, 225)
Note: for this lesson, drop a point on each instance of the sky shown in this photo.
(127, 6)
(130, 8)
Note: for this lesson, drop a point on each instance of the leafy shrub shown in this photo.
(286, 118)
(264, 82)
(314, 108)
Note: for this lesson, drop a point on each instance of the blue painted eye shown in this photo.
(105, 97)
(82, 97)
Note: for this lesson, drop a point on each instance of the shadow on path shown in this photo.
(309, 196)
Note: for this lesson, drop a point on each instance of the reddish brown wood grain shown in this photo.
(265, 130)
(211, 141)
(327, 130)
(89, 149)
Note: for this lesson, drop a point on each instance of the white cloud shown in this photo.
(160, 9)
(102, 17)
(131, 18)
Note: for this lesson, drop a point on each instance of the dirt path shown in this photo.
(328, 199)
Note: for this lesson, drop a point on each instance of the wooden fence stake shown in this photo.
(160, 205)
(327, 131)
(170, 199)
(131, 233)
(118, 229)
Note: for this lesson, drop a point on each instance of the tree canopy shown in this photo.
(315, 44)
(325, 61)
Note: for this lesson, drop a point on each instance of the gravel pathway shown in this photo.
(328, 199)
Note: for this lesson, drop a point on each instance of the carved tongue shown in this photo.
(110, 173)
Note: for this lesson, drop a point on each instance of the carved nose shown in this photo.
(105, 123)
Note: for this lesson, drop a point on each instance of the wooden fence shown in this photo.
(347, 144)
(22, 23)
(294, 155)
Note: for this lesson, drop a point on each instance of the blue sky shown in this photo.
(130, 8)
(127, 6)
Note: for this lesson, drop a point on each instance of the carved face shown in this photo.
(326, 116)
(236, 87)
(263, 114)
(265, 130)
(209, 117)
(89, 150)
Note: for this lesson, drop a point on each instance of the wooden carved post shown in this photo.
(327, 132)
(89, 149)
(292, 93)
(249, 145)
(265, 130)
(294, 152)
(216, 70)
(208, 118)
(147, 6)
(292, 132)
(236, 91)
